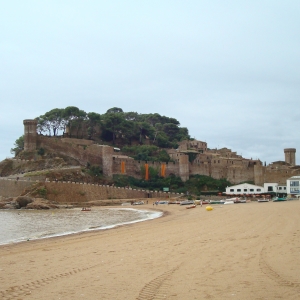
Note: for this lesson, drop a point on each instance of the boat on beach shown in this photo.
(263, 200)
(86, 209)
(191, 206)
(187, 202)
(240, 201)
(216, 202)
(228, 202)
(278, 199)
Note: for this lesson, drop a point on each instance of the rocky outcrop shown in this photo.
(25, 202)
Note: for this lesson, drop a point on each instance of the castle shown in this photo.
(191, 158)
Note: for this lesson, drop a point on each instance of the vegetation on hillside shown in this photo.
(146, 153)
(18, 146)
(152, 129)
(196, 185)
(150, 133)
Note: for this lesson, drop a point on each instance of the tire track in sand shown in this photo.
(21, 291)
(271, 273)
(158, 287)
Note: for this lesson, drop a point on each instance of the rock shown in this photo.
(41, 203)
(23, 201)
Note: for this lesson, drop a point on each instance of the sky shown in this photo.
(229, 71)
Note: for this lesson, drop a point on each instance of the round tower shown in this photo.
(290, 156)
(30, 135)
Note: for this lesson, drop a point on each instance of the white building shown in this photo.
(251, 189)
(270, 187)
(293, 185)
(244, 188)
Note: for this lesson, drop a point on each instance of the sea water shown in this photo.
(24, 225)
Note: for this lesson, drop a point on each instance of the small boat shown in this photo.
(240, 201)
(278, 199)
(192, 206)
(205, 202)
(187, 202)
(163, 202)
(216, 202)
(228, 202)
(174, 202)
(138, 203)
(263, 200)
(86, 209)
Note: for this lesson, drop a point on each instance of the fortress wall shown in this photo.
(67, 192)
(239, 174)
(133, 167)
(81, 152)
(77, 141)
(259, 173)
(279, 176)
(19, 162)
(200, 169)
(13, 188)
(172, 168)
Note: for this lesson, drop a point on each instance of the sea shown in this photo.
(25, 225)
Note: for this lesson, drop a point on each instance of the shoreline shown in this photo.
(246, 251)
(92, 228)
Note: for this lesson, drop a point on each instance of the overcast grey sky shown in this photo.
(229, 71)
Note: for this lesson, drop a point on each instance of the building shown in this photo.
(251, 189)
(293, 186)
(190, 158)
(244, 189)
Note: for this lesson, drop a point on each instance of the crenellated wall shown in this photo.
(68, 192)
(71, 192)
(12, 187)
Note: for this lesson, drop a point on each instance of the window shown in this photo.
(231, 190)
(284, 187)
(251, 190)
(280, 188)
(238, 190)
(294, 183)
(270, 189)
(245, 190)
(258, 190)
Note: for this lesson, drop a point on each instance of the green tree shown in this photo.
(114, 110)
(18, 146)
(74, 117)
(55, 118)
(114, 123)
(93, 120)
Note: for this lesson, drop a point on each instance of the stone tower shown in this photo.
(290, 156)
(184, 173)
(107, 160)
(30, 135)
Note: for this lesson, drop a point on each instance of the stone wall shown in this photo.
(133, 167)
(12, 187)
(68, 192)
(80, 150)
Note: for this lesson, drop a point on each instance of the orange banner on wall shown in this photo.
(146, 172)
(123, 167)
(163, 170)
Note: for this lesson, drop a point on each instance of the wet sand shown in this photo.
(240, 251)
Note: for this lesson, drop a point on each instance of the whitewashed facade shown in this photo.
(293, 185)
(244, 188)
(251, 189)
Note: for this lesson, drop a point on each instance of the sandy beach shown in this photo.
(240, 251)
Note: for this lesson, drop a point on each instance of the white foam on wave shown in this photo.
(143, 215)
